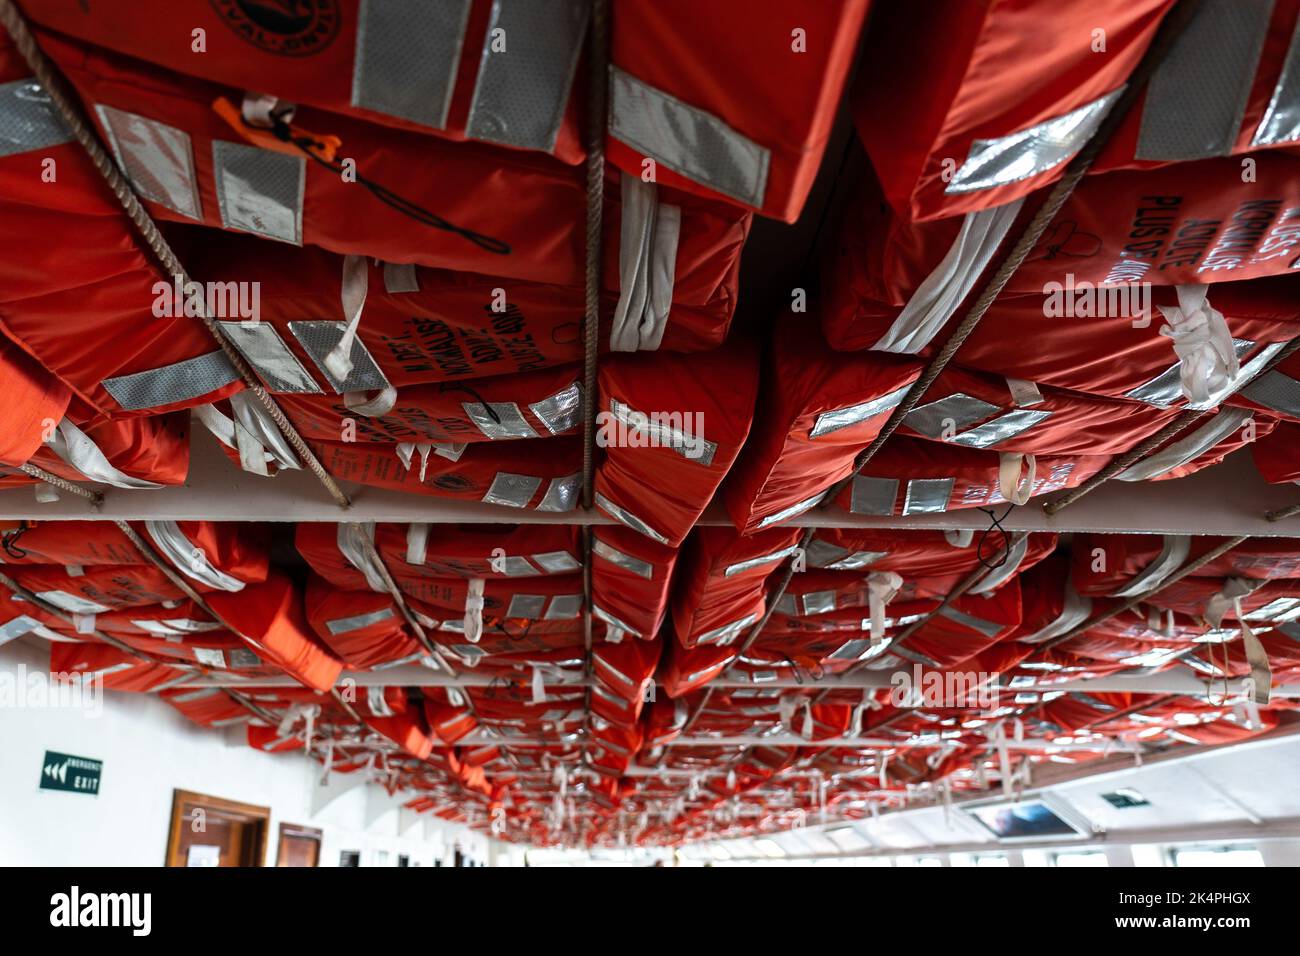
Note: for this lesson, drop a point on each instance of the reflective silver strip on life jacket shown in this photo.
(995, 577)
(259, 190)
(189, 697)
(72, 603)
(818, 602)
(625, 561)
(509, 421)
(318, 339)
(694, 448)
(377, 703)
(407, 55)
(189, 559)
(836, 419)
(179, 382)
(1174, 549)
(727, 633)
(564, 607)
(1166, 388)
(513, 491)
(797, 508)
(612, 621)
(928, 495)
(907, 653)
(1227, 421)
(873, 496)
(1001, 429)
(1075, 609)
(28, 120)
(1275, 390)
(946, 287)
(1196, 98)
(751, 563)
(349, 538)
(157, 158)
(1281, 122)
(787, 605)
(260, 344)
(344, 625)
(987, 628)
(523, 87)
(514, 566)
(1023, 155)
(78, 450)
(561, 411)
(556, 562)
(561, 494)
(953, 412)
(1275, 610)
(686, 139)
(209, 657)
(12, 630)
(626, 517)
(528, 606)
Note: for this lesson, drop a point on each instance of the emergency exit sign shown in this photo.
(66, 772)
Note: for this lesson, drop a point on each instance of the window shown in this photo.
(918, 861)
(403, 860)
(1080, 858)
(350, 858)
(1226, 854)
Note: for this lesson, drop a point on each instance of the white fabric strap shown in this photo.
(881, 588)
(191, 561)
(1261, 674)
(1207, 359)
(350, 539)
(959, 537)
(375, 407)
(938, 296)
(260, 429)
(1015, 488)
(356, 279)
(539, 685)
(417, 542)
(647, 266)
(1229, 597)
(474, 610)
(75, 447)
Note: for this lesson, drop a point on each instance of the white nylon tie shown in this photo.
(1249, 705)
(474, 610)
(998, 737)
(1015, 489)
(884, 772)
(406, 450)
(1261, 673)
(881, 588)
(1229, 596)
(806, 731)
(377, 407)
(356, 278)
(614, 635)
(329, 763)
(1207, 360)
(959, 538)
(786, 708)
(539, 686)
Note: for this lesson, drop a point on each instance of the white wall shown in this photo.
(149, 750)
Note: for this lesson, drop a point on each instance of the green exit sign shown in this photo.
(66, 772)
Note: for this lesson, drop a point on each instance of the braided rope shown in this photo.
(148, 229)
(37, 601)
(597, 119)
(40, 474)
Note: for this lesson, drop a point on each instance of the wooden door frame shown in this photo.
(180, 798)
(298, 830)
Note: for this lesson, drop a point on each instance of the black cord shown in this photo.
(10, 539)
(280, 129)
(473, 393)
(996, 522)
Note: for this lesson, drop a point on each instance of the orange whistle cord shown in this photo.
(298, 140)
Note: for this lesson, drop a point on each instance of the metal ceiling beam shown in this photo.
(793, 740)
(1228, 499)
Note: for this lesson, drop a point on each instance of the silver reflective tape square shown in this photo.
(498, 420)
(1197, 96)
(687, 140)
(954, 412)
(157, 158)
(818, 602)
(727, 633)
(529, 56)
(748, 565)
(1023, 155)
(562, 411)
(822, 554)
(318, 339)
(1277, 391)
(1167, 388)
(72, 603)
(627, 518)
(675, 430)
(561, 494)
(927, 495)
(514, 566)
(1000, 429)
(612, 621)
(407, 55)
(795, 509)
(514, 491)
(1281, 122)
(28, 119)
(259, 190)
(556, 562)
(833, 421)
(859, 559)
(987, 628)
(786, 605)
(638, 567)
(873, 496)
(564, 607)
(262, 346)
(850, 650)
(343, 625)
(16, 628)
(168, 384)
(529, 606)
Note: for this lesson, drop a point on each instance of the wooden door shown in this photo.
(211, 831)
(299, 846)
